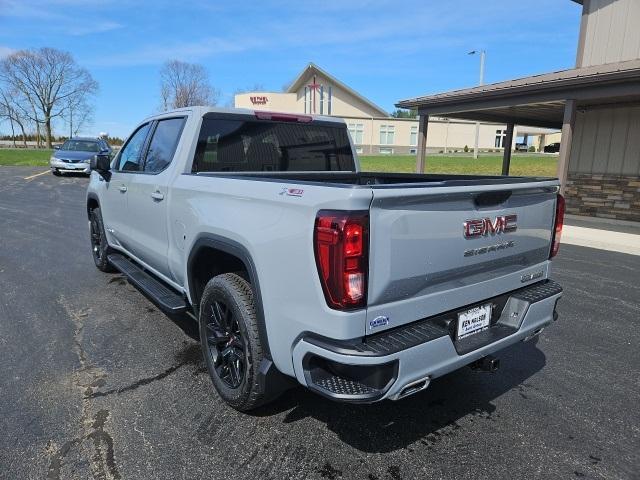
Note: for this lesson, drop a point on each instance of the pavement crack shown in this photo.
(101, 458)
(137, 384)
(55, 465)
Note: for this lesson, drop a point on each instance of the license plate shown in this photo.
(474, 320)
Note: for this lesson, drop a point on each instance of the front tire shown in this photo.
(230, 340)
(56, 172)
(99, 246)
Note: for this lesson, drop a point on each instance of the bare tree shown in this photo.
(185, 84)
(47, 80)
(78, 114)
(10, 111)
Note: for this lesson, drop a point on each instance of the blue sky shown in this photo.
(386, 50)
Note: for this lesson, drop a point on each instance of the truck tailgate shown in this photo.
(424, 261)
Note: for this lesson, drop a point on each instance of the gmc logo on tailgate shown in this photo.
(483, 226)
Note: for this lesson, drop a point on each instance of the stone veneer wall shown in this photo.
(604, 196)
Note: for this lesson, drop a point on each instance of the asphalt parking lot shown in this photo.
(95, 382)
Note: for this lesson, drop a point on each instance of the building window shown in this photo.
(387, 133)
(413, 151)
(357, 132)
(413, 136)
(308, 100)
(329, 102)
(500, 136)
(386, 150)
(359, 150)
(321, 100)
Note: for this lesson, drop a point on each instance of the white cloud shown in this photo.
(80, 21)
(18, 9)
(4, 51)
(89, 28)
(291, 31)
(156, 54)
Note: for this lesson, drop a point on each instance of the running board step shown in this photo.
(167, 299)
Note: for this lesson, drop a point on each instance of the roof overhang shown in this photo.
(538, 100)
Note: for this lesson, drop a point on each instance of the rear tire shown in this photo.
(99, 246)
(230, 341)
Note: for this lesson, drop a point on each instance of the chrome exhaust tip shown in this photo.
(413, 387)
(533, 335)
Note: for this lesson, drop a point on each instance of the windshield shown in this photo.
(81, 146)
(226, 145)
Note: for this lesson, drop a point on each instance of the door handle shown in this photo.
(157, 195)
(123, 188)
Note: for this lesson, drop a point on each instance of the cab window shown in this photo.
(130, 159)
(163, 144)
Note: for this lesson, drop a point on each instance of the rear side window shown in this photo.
(131, 154)
(227, 145)
(163, 144)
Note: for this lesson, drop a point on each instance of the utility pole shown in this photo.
(482, 57)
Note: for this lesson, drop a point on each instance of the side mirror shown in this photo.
(101, 163)
(56, 147)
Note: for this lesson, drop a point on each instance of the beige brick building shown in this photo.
(372, 129)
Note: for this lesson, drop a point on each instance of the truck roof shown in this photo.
(200, 110)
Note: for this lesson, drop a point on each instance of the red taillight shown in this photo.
(341, 242)
(557, 231)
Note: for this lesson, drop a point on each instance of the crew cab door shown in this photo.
(116, 191)
(148, 196)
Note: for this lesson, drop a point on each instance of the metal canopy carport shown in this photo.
(548, 100)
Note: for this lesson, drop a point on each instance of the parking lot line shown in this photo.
(36, 175)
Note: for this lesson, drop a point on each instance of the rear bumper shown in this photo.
(402, 361)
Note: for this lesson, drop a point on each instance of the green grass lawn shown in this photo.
(27, 157)
(524, 164)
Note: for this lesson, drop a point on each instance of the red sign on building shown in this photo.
(259, 100)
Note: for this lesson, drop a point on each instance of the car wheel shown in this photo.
(99, 246)
(56, 172)
(230, 341)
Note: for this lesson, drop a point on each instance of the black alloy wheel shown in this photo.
(96, 240)
(226, 345)
(99, 245)
(231, 344)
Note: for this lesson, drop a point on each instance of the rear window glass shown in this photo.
(81, 146)
(264, 146)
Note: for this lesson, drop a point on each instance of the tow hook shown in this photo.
(486, 364)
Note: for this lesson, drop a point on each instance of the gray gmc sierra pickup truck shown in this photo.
(296, 265)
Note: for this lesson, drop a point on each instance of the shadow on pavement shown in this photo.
(426, 416)
(187, 324)
(388, 426)
(74, 175)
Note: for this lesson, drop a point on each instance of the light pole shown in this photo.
(482, 56)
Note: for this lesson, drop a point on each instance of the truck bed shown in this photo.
(379, 179)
